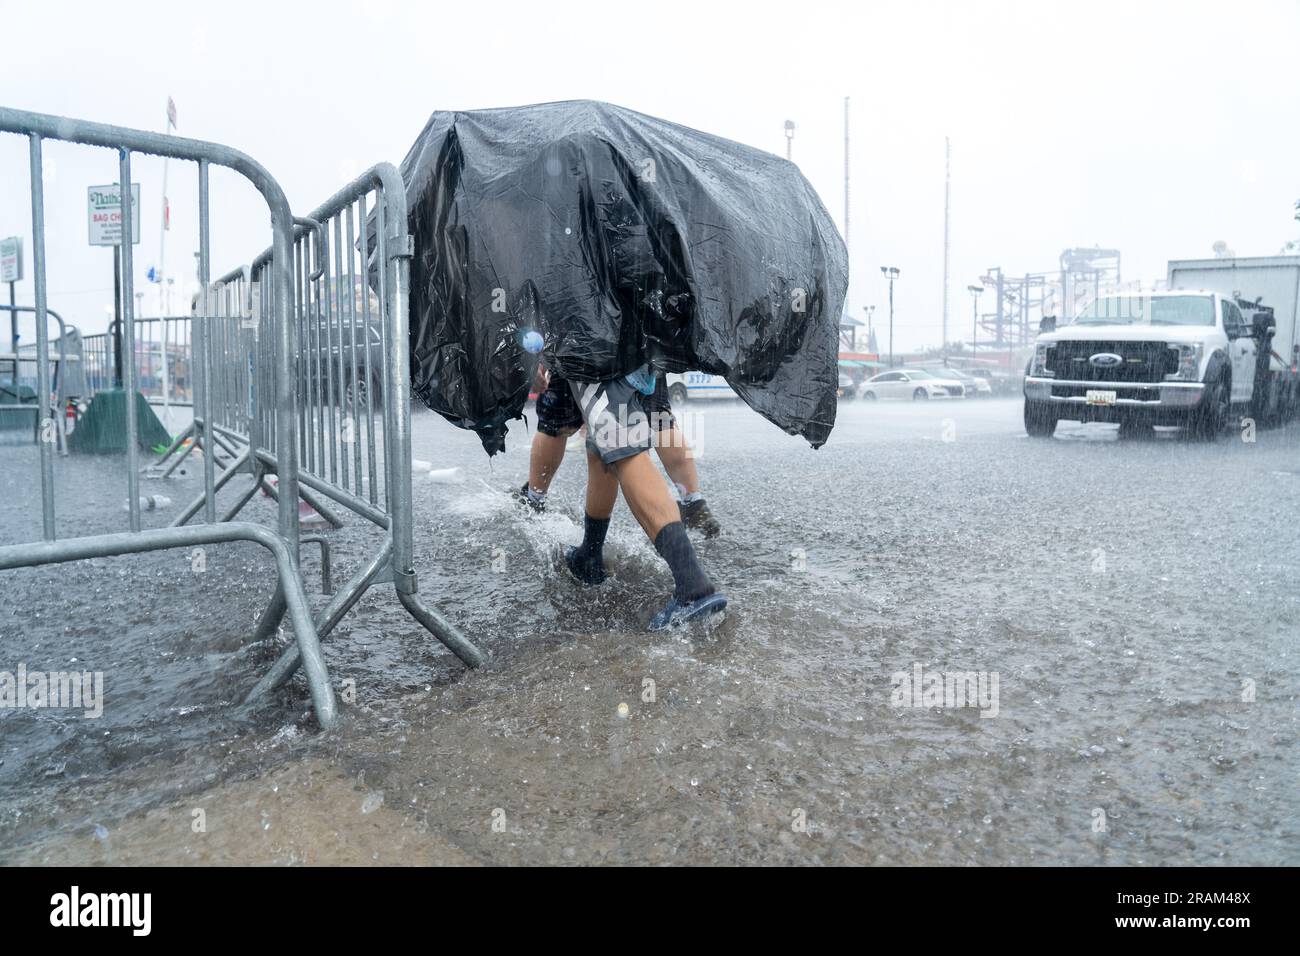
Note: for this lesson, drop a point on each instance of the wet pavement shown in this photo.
(1127, 612)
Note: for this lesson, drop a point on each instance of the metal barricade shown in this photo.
(281, 347)
(352, 393)
(63, 361)
(165, 383)
(164, 359)
(98, 361)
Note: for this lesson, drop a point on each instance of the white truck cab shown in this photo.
(1159, 358)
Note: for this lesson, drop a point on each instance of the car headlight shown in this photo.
(1189, 362)
(1040, 361)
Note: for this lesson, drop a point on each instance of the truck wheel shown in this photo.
(677, 394)
(357, 390)
(1211, 418)
(1040, 420)
(920, 395)
(1261, 409)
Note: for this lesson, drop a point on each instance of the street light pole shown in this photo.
(789, 138)
(974, 291)
(891, 273)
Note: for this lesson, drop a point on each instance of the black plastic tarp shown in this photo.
(623, 240)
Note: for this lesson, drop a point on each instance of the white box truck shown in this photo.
(1219, 343)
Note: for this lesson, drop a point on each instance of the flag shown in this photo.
(171, 112)
(167, 214)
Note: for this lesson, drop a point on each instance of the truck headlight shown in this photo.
(1189, 362)
(1040, 361)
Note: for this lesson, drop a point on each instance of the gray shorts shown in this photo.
(617, 424)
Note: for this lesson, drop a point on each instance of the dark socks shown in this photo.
(587, 560)
(689, 580)
(593, 537)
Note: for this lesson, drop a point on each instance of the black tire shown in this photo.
(1210, 419)
(1261, 409)
(677, 394)
(361, 389)
(920, 395)
(868, 396)
(1040, 420)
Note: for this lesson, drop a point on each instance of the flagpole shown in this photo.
(163, 304)
(162, 233)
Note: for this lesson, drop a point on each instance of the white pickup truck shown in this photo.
(1181, 357)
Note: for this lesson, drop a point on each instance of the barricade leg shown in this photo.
(343, 601)
(442, 629)
(289, 592)
(176, 443)
(179, 459)
(196, 505)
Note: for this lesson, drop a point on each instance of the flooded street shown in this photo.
(1129, 610)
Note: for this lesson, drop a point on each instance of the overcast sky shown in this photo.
(1155, 128)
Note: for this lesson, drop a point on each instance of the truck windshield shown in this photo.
(1149, 310)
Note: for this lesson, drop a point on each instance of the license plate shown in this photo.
(1096, 396)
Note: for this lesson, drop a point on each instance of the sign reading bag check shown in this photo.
(104, 214)
(11, 259)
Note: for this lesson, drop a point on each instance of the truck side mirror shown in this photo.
(1047, 324)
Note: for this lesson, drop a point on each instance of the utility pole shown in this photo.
(891, 273)
(947, 221)
(117, 316)
(789, 140)
(846, 176)
(163, 303)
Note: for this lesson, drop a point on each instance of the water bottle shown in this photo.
(643, 380)
(150, 503)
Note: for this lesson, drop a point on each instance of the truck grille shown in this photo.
(1141, 361)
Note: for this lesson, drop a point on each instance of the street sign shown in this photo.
(104, 214)
(11, 259)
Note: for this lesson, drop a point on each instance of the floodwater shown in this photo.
(1137, 603)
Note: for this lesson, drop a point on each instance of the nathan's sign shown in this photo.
(104, 214)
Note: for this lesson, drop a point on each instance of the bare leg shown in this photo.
(587, 560)
(545, 459)
(678, 460)
(646, 494)
(602, 487)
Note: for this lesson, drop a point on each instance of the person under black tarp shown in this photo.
(599, 240)
(558, 417)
